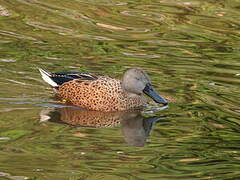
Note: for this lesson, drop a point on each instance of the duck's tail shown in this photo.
(47, 77)
(57, 79)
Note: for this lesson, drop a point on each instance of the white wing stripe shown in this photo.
(47, 78)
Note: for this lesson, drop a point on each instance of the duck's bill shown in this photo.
(150, 91)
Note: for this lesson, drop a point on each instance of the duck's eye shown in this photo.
(137, 78)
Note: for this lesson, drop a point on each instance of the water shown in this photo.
(190, 49)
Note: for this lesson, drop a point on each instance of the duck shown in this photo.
(102, 93)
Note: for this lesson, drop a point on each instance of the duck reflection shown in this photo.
(135, 127)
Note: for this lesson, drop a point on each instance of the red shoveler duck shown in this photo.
(103, 93)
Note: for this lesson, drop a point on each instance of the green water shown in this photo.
(190, 49)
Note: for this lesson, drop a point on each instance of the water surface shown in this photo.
(190, 49)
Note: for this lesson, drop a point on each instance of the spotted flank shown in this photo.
(103, 93)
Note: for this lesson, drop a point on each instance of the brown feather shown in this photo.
(103, 94)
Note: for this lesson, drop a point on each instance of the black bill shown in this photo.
(150, 91)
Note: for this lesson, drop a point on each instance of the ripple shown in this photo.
(141, 54)
(73, 14)
(146, 15)
(87, 36)
(190, 50)
(49, 27)
(9, 176)
(15, 35)
(4, 12)
(111, 27)
(216, 23)
(7, 60)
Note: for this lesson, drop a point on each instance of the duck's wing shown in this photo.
(57, 79)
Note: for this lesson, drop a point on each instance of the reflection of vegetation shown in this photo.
(14, 134)
(191, 51)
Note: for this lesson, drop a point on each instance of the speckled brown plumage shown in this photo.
(102, 94)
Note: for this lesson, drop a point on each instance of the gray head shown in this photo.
(136, 81)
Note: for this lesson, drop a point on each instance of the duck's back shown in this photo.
(101, 94)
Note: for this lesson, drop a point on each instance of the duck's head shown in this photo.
(137, 82)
